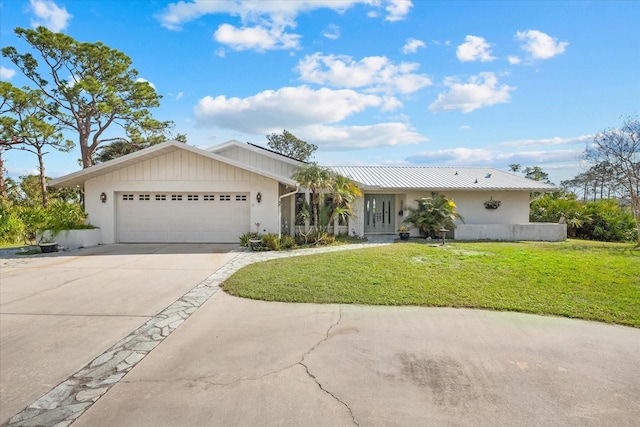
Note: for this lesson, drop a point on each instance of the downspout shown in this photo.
(280, 208)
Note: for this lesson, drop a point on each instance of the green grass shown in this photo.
(579, 279)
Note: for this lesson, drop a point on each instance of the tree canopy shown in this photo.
(618, 150)
(85, 87)
(289, 145)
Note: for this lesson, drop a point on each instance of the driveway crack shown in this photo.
(315, 379)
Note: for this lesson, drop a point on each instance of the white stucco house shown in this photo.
(173, 192)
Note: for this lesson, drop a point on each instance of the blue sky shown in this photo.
(371, 82)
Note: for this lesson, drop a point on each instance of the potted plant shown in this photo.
(404, 233)
(492, 204)
(47, 243)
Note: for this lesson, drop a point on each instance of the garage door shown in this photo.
(182, 217)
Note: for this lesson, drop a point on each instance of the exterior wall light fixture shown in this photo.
(259, 197)
(103, 197)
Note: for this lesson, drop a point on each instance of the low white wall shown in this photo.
(72, 239)
(540, 231)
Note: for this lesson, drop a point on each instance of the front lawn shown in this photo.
(581, 279)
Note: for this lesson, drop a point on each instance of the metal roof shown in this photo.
(438, 178)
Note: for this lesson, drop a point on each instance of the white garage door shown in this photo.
(182, 217)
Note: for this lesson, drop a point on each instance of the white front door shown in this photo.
(182, 217)
(379, 213)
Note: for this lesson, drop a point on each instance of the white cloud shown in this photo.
(514, 60)
(49, 15)
(461, 156)
(474, 49)
(540, 45)
(480, 91)
(268, 19)
(360, 137)
(465, 127)
(285, 108)
(179, 95)
(412, 46)
(548, 141)
(259, 38)
(6, 73)
(331, 32)
(374, 73)
(397, 10)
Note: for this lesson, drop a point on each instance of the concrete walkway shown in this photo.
(241, 362)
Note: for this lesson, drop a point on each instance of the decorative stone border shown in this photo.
(68, 400)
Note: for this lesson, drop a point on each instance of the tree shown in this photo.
(345, 192)
(25, 122)
(86, 87)
(147, 134)
(432, 214)
(318, 181)
(619, 148)
(288, 145)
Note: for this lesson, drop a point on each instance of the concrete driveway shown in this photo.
(237, 362)
(58, 313)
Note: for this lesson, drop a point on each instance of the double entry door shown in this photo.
(379, 213)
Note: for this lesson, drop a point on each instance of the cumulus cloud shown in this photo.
(313, 115)
(6, 73)
(258, 38)
(285, 108)
(397, 10)
(540, 45)
(479, 91)
(331, 32)
(412, 46)
(373, 73)
(49, 15)
(177, 14)
(514, 60)
(474, 49)
(360, 137)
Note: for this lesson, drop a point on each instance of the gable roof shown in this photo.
(78, 178)
(438, 178)
(256, 149)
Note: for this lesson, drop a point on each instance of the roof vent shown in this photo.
(476, 181)
(488, 175)
(456, 173)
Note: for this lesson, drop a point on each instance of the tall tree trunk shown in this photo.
(3, 185)
(43, 180)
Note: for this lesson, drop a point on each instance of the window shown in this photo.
(192, 197)
(127, 197)
(209, 197)
(144, 197)
(161, 197)
(176, 197)
(225, 197)
(241, 198)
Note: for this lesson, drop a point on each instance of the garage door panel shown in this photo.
(182, 217)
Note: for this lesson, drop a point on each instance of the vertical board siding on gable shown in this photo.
(178, 166)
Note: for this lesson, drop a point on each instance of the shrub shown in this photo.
(287, 241)
(271, 242)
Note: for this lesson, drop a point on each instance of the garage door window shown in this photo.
(161, 197)
(176, 197)
(209, 197)
(144, 197)
(127, 197)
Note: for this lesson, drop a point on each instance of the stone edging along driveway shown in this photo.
(69, 399)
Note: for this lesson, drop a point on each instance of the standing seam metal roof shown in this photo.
(439, 178)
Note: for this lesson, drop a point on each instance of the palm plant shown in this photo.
(345, 193)
(318, 181)
(432, 214)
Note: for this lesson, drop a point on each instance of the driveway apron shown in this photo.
(59, 312)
